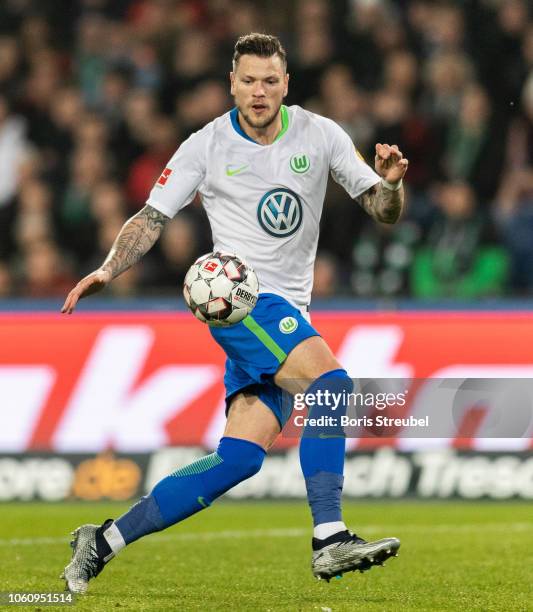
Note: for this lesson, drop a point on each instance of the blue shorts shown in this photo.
(257, 346)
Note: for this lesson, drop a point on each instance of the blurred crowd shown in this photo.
(95, 96)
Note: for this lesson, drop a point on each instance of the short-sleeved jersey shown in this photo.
(264, 202)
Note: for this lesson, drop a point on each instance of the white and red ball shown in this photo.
(220, 289)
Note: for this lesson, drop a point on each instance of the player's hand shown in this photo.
(93, 282)
(390, 163)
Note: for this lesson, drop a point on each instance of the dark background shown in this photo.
(95, 96)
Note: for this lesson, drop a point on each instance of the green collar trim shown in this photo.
(234, 116)
(284, 122)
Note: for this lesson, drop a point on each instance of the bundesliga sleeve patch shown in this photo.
(161, 181)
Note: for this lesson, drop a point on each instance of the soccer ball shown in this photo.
(220, 289)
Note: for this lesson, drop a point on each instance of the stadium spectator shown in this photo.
(513, 208)
(401, 74)
(326, 276)
(146, 169)
(203, 103)
(341, 100)
(6, 280)
(314, 48)
(107, 202)
(194, 61)
(520, 137)
(382, 259)
(448, 74)
(10, 65)
(475, 144)
(58, 130)
(460, 257)
(514, 213)
(115, 88)
(45, 272)
(90, 57)
(89, 167)
(14, 151)
(132, 134)
(34, 216)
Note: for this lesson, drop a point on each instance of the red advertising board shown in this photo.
(138, 382)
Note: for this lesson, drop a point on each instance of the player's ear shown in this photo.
(232, 82)
(286, 89)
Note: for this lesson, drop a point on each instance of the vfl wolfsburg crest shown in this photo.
(300, 163)
(287, 325)
(280, 212)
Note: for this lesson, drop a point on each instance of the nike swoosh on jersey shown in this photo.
(231, 170)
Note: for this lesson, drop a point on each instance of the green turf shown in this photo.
(256, 556)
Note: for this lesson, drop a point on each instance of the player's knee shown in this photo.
(309, 360)
(244, 457)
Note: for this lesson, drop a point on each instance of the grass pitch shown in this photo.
(256, 556)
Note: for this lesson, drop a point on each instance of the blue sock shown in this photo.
(322, 458)
(191, 488)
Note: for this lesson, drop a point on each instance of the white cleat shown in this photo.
(346, 552)
(85, 563)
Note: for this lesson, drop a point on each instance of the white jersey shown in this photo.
(264, 202)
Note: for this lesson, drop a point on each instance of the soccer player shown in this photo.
(261, 171)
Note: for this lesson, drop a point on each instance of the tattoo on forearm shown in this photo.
(136, 238)
(382, 204)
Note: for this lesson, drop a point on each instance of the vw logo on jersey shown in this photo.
(280, 212)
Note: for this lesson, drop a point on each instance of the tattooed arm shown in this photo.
(385, 202)
(382, 204)
(136, 238)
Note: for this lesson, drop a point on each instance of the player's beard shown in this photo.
(261, 123)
